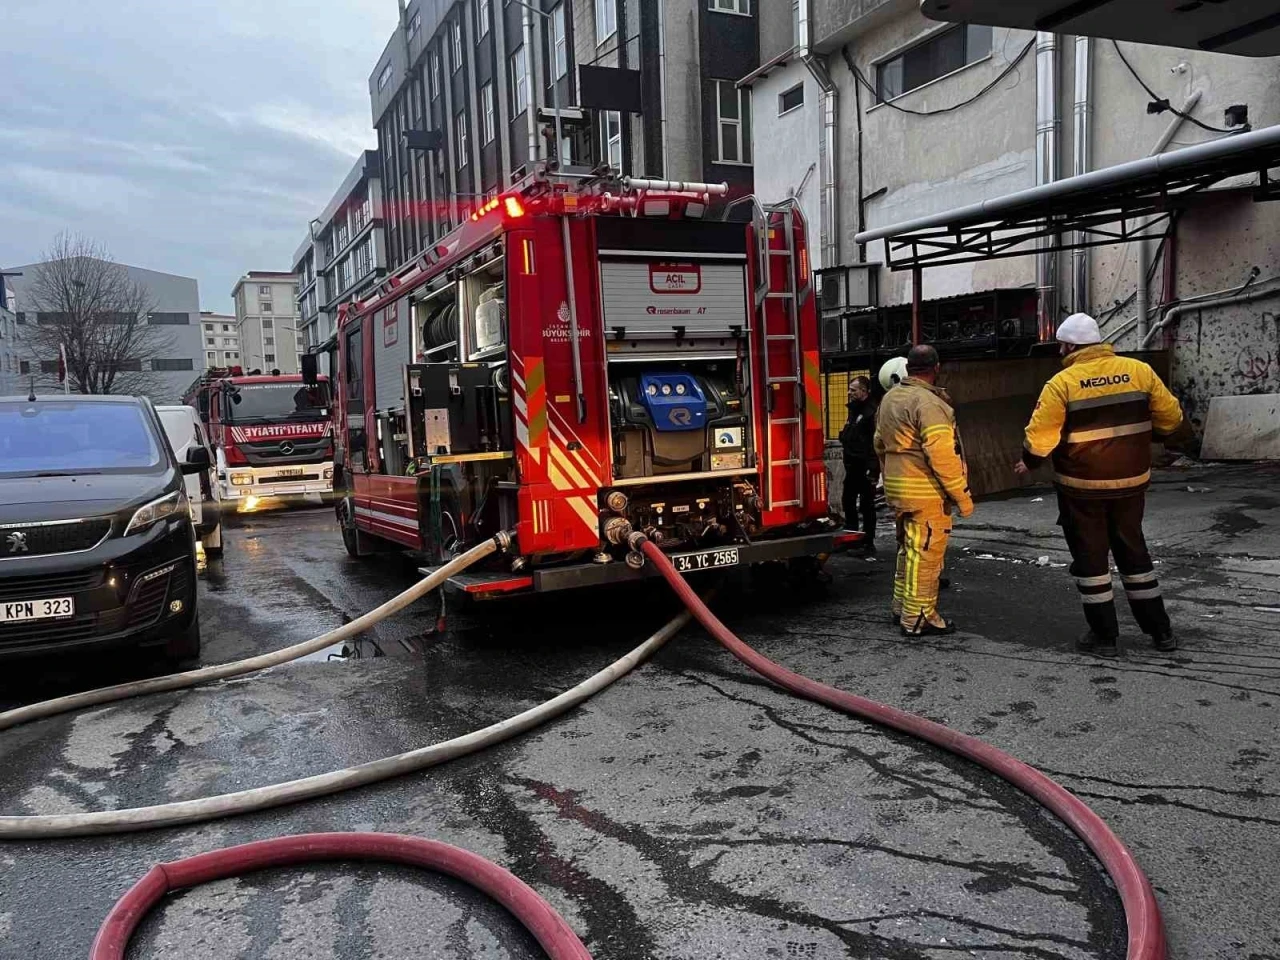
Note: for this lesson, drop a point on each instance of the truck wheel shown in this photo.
(183, 647)
(354, 539)
(213, 543)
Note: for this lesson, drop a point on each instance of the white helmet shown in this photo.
(893, 373)
(1079, 330)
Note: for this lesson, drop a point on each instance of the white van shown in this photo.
(185, 432)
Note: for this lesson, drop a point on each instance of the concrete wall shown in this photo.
(926, 165)
(786, 155)
(684, 97)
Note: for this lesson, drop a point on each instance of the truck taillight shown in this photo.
(234, 457)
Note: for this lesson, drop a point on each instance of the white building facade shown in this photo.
(267, 321)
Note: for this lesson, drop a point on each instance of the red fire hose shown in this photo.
(1142, 914)
(539, 918)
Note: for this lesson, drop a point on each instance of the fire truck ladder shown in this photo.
(768, 221)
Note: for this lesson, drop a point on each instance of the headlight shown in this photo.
(327, 474)
(241, 479)
(175, 504)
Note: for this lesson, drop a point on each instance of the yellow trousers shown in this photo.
(922, 550)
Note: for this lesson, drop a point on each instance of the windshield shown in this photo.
(52, 437)
(179, 426)
(278, 401)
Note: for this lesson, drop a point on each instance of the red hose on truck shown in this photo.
(1142, 914)
(550, 929)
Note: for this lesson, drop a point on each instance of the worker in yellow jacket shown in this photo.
(1097, 418)
(925, 478)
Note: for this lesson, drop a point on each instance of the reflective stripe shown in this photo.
(1108, 401)
(1152, 594)
(1148, 577)
(1107, 433)
(1098, 597)
(928, 432)
(1080, 484)
(1098, 581)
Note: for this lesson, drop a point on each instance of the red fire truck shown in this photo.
(272, 434)
(578, 356)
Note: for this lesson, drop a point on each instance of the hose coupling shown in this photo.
(505, 539)
(617, 530)
(636, 539)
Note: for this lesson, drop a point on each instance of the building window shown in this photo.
(210, 342)
(24, 366)
(415, 25)
(733, 122)
(269, 358)
(455, 31)
(611, 138)
(559, 44)
(264, 290)
(384, 77)
(267, 323)
(732, 6)
(434, 60)
(484, 17)
(489, 124)
(184, 364)
(606, 20)
(788, 100)
(460, 125)
(211, 357)
(269, 341)
(930, 59)
(264, 306)
(519, 82)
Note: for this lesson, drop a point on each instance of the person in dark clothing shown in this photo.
(861, 466)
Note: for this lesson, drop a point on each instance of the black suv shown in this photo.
(96, 542)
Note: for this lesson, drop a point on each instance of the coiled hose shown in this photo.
(1142, 913)
(539, 917)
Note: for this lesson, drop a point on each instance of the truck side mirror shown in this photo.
(197, 460)
(310, 368)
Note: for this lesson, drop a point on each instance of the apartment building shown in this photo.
(221, 333)
(463, 99)
(267, 321)
(872, 116)
(344, 254)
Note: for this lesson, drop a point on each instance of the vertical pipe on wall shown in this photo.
(917, 302)
(827, 144)
(1048, 133)
(662, 81)
(1083, 144)
(1143, 305)
(531, 110)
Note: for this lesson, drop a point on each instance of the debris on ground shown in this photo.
(1199, 489)
(1183, 463)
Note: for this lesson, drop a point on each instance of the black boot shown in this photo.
(1097, 645)
(1165, 641)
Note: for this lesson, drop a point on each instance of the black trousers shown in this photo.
(1093, 529)
(860, 496)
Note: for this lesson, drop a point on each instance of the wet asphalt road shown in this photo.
(691, 811)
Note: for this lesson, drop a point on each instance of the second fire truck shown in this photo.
(272, 434)
(578, 360)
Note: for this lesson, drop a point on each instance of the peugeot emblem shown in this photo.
(286, 448)
(17, 542)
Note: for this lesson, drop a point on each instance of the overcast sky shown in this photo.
(196, 138)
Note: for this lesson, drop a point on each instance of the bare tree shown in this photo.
(89, 305)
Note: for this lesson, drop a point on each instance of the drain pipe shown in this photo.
(1182, 309)
(531, 109)
(827, 145)
(1083, 143)
(1048, 135)
(662, 84)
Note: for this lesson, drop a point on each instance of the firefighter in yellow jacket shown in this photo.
(1097, 418)
(925, 478)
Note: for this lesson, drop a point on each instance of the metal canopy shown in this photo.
(1126, 202)
(1249, 28)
